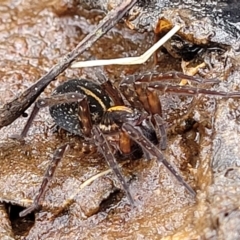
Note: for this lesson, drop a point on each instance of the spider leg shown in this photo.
(127, 88)
(161, 131)
(188, 90)
(54, 100)
(151, 77)
(110, 89)
(58, 154)
(106, 150)
(137, 136)
(127, 85)
(124, 143)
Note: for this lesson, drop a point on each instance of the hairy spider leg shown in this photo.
(150, 77)
(127, 85)
(191, 91)
(54, 100)
(162, 130)
(106, 151)
(136, 135)
(111, 90)
(57, 156)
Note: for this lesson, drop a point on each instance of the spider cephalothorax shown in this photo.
(98, 111)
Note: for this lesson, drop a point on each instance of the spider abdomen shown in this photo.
(66, 115)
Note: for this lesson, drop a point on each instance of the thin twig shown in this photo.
(129, 60)
(14, 109)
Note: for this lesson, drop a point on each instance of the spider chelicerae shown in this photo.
(127, 120)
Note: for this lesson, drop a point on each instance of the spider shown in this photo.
(125, 121)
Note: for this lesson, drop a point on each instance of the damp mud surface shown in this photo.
(203, 132)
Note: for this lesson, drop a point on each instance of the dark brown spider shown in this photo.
(98, 112)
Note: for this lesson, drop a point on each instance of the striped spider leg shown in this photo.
(139, 91)
(136, 135)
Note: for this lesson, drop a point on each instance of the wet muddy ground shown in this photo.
(33, 37)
